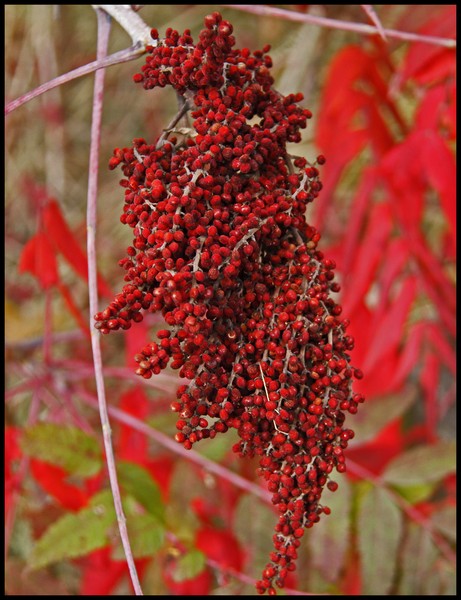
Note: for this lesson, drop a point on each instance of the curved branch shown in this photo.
(113, 59)
(103, 38)
(282, 13)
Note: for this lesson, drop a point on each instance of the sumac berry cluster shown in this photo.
(223, 250)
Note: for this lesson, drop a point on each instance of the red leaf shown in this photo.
(53, 481)
(372, 248)
(132, 444)
(375, 455)
(439, 165)
(360, 204)
(442, 348)
(410, 354)
(435, 113)
(64, 240)
(428, 62)
(387, 332)
(100, 574)
(38, 258)
(221, 546)
(73, 308)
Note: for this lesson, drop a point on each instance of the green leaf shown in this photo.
(423, 464)
(416, 493)
(216, 449)
(76, 534)
(379, 530)
(374, 416)
(254, 524)
(64, 446)
(146, 537)
(189, 565)
(417, 560)
(137, 481)
(329, 539)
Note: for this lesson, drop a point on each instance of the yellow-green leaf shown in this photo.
(146, 537)
(379, 531)
(422, 464)
(64, 446)
(137, 481)
(189, 565)
(76, 534)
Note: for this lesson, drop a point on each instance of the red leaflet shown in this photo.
(221, 546)
(410, 354)
(64, 240)
(100, 573)
(428, 63)
(370, 253)
(361, 203)
(132, 445)
(73, 308)
(375, 455)
(439, 165)
(135, 338)
(407, 185)
(441, 347)
(53, 481)
(388, 330)
(38, 258)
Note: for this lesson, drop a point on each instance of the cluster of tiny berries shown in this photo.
(223, 250)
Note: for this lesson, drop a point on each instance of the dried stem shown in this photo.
(113, 59)
(103, 38)
(130, 21)
(290, 15)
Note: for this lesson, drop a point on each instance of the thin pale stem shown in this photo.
(113, 59)
(103, 38)
(291, 15)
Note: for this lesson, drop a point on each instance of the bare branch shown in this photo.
(103, 38)
(291, 15)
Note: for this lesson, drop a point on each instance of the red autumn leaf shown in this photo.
(410, 354)
(439, 166)
(376, 454)
(406, 186)
(360, 205)
(428, 62)
(38, 257)
(62, 237)
(443, 349)
(220, 546)
(135, 338)
(73, 308)
(100, 573)
(132, 445)
(387, 331)
(53, 481)
(370, 254)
